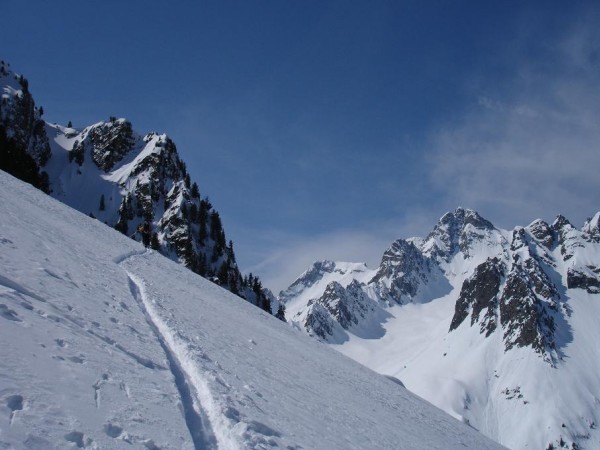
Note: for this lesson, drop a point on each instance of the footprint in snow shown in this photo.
(76, 359)
(8, 314)
(14, 403)
(76, 437)
(116, 432)
(150, 445)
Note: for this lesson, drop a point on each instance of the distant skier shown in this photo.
(144, 230)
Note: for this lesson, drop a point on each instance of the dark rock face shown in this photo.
(318, 322)
(542, 285)
(106, 143)
(480, 292)
(25, 147)
(561, 222)
(523, 305)
(587, 278)
(542, 232)
(404, 268)
(346, 305)
(338, 307)
(24, 124)
(111, 141)
(454, 231)
(524, 318)
(568, 237)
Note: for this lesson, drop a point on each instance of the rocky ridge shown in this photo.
(135, 183)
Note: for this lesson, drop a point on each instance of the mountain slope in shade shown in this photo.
(105, 344)
(135, 183)
(496, 327)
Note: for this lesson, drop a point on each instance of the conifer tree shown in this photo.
(184, 211)
(215, 226)
(223, 274)
(233, 283)
(193, 212)
(202, 265)
(265, 303)
(195, 190)
(281, 312)
(145, 231)
(15, 160)
(203, 233)
(102, 206)
(154, 243)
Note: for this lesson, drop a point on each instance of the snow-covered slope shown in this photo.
(498, 328)
(105, 344)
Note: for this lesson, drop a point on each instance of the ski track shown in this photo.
(189, 385)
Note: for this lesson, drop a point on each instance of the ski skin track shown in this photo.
(189, 384)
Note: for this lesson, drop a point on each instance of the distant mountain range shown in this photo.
(135, 183)
(499, 328)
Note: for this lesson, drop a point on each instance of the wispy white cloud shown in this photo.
(531, 149)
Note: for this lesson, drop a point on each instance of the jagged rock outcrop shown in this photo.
(319, 322)
(542, 232)
(456, 232)
(591, 229)
(403, 270)
(137, 184)
(587, 278)
(347, 305)
(480, 292)
(25, 147)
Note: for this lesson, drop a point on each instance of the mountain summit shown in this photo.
(135, 183)
(494, 326)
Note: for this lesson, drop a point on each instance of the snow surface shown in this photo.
(107, 345)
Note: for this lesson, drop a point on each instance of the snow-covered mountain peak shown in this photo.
(592, 227)
(320, 270)
(542, 232)
(561, 222)
(497, 327)
(456, 232)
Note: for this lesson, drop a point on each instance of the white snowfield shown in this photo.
(106, 345)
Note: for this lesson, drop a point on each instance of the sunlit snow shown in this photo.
(105, 344)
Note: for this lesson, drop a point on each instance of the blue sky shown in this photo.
(328, 129)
